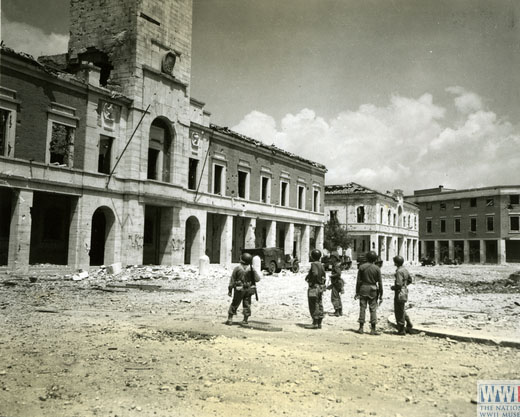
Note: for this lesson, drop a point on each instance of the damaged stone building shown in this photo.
(382, 222)
(478, 225)
(106, 157)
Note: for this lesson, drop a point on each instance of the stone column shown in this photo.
(305, 244)
(451, 249)
(250, 233)
(482, 251)
(226, 240)
(319, 237)
(271, 234)
(133, 233)
(79, 235)
(501, 246)
(437, 252)
(20, 232)
(466, 251)
(289, 239)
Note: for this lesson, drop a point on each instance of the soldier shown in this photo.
(243, 280)
(316, 280)
(400, 287)
(369, 286)
(337, 286)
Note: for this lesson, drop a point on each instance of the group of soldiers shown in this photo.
(369, 291)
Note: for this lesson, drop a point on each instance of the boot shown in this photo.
(360, 330)
(373, 330)
(229, 321)
(401, 331)
(409, 326)
(318, 325)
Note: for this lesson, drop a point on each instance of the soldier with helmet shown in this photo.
(400, 287)
(316, 280)
(369, 287)
(243, 281)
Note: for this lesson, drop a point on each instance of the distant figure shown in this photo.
(243, 281)
(337, 287)
(369, 287)
(316, 280)
(348, 253)
(400, 288)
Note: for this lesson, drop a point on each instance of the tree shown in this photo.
(335, 236)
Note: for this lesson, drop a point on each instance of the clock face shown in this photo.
(195, 139)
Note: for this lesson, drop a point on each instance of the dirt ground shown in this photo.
(152, 342)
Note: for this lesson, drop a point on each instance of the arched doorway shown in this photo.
(192, 240)
(101, 236)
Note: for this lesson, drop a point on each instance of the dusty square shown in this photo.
(102, 347)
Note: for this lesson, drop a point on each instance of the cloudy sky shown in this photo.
(388, 93)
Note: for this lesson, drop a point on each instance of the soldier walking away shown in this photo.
(316, 280)
(243, 281)
(400, 288)
(369, 287)
(337, 287)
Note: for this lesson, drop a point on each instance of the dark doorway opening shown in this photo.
(6, 200)
(98, 238)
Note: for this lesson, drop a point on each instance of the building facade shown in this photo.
(106, 157)
(479, 225)
(384, 223)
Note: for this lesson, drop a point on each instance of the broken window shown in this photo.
(490, 202)
(473, 224)
(243, 184)
(62, 144)
(159, 151)
(105, 154)
(473, 202)
(514, 199)
(514, 223)
(456, 204)
(5, 120)
(218, 174)
(428, 226)
(442, 205)
(316, 201)
(284, 193)
(192, 174)
(457, 225)
(266, 190)
(301, 197)
(153, 159)
(443, 225)
(360, 212)
(490, 223)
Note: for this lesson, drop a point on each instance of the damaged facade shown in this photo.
(479, 225)
(105, 156)
(384, 223)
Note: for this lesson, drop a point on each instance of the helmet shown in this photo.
(315, 255)
(371, 256)
(398, 260)
(246, 258)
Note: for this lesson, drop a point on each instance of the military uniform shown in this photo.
(316, 280)
(336, 286)
(243, 280)
(369, 286)
(402, 280)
